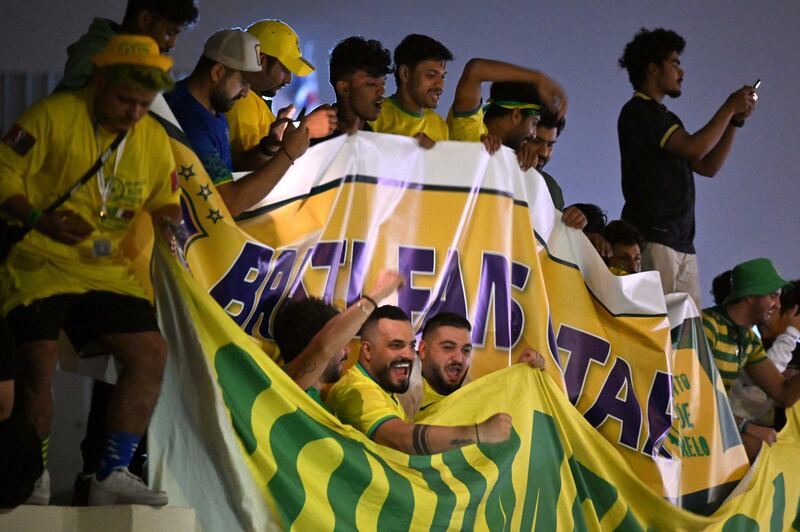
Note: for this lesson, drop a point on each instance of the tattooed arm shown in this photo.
(431, 439)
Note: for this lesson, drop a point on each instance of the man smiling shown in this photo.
(365, 395)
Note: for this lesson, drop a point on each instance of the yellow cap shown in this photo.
(279, 40)
(132, 50)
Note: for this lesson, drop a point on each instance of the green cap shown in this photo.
(757, 277)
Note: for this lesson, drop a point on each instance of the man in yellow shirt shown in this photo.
(255, 132)
(365, 395)
(445, 353)
(419, 72)
(68, 271)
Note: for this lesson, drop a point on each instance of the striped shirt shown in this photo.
(734, 347)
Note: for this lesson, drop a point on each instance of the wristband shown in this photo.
(743, 425)
(737, 123)
(267, 146)
(374, 304)
(33, 216)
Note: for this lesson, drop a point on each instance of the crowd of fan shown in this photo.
(67, 272)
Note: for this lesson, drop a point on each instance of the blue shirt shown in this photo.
(207, 133)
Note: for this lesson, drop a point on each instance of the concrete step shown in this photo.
(128, 518)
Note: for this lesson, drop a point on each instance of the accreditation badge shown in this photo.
(101, 247)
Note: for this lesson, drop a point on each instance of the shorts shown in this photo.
(84, 317)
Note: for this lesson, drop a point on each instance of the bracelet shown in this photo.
(477, 437)
(737, 123)
(32, 218)
(286, 153)
(374, 304)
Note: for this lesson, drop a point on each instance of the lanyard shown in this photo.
(103, 186)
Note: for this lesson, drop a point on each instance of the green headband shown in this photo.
(532, 108)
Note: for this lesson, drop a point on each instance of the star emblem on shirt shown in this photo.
(205, 191)
(214, 215)
(187, 172)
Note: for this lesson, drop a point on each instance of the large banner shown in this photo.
(471, 234)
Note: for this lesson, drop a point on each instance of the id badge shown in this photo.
(101, 247)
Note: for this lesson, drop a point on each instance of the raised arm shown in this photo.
(478, 71)
(309, 365)
(417, 438)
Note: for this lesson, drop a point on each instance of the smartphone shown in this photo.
(296, 121)
(757, 84)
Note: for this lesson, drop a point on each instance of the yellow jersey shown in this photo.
(467, 127)
(56, 144)
(248, 121)
(398, 121)
(358, 400)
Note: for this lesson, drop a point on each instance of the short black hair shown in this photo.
(721, 287)
(357, 53)
(416, 48)
(622, 232)
(649, 47)
(551, 121)
(446, 319)
(388, 312)
(515, 91)
(297, 322)
(790, 296)
(595, 217)
(182, 12)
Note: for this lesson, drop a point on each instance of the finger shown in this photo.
(287, 112)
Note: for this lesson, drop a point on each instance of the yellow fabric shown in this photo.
(430, 397)
(65, 148)
(467, 127)
(249, 122)
(361, 402)
(397, 121)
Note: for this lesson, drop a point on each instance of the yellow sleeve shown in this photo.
(248, 121)
(162, 171)
(364, 406)
(757, 354)
(467, 127)
(23, 150)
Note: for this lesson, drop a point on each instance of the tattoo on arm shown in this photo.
(419, 437)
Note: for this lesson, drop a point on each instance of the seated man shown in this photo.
(419, 72)
(162, 20)
(199, 103)
(755, 295)
(358, 69)
(69, 270)
(313, 336)
(446, 354)
(626, 247)
(255, 132)
(365, 395)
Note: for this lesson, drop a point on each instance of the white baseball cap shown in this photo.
(235, 49)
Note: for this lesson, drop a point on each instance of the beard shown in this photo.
(220, 102)
(442, 386)
(674, 93)
(384, 378)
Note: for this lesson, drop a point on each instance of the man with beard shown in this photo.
(419, 72)
(755, 295)
(358, 69)
(547, 131)
(199, 102)
(313, 336)
(446, 354)
(365, 395)
(255, 132)
(659, 157)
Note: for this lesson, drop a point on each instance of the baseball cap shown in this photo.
(235, 49)
(757, 277)
(132, 50)
(279, 40)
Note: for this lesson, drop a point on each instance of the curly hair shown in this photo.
(297, 322)
(649, 47)
(415, 48)
(357, 53)
(182, 12)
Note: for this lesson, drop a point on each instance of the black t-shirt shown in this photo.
(658, 185)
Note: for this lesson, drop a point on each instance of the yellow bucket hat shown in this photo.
(132, 50)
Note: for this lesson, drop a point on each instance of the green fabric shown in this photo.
(78, 70)
(314, 394)
(757, 277)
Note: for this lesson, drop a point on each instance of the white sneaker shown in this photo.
(41, 490)
(123, 487)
